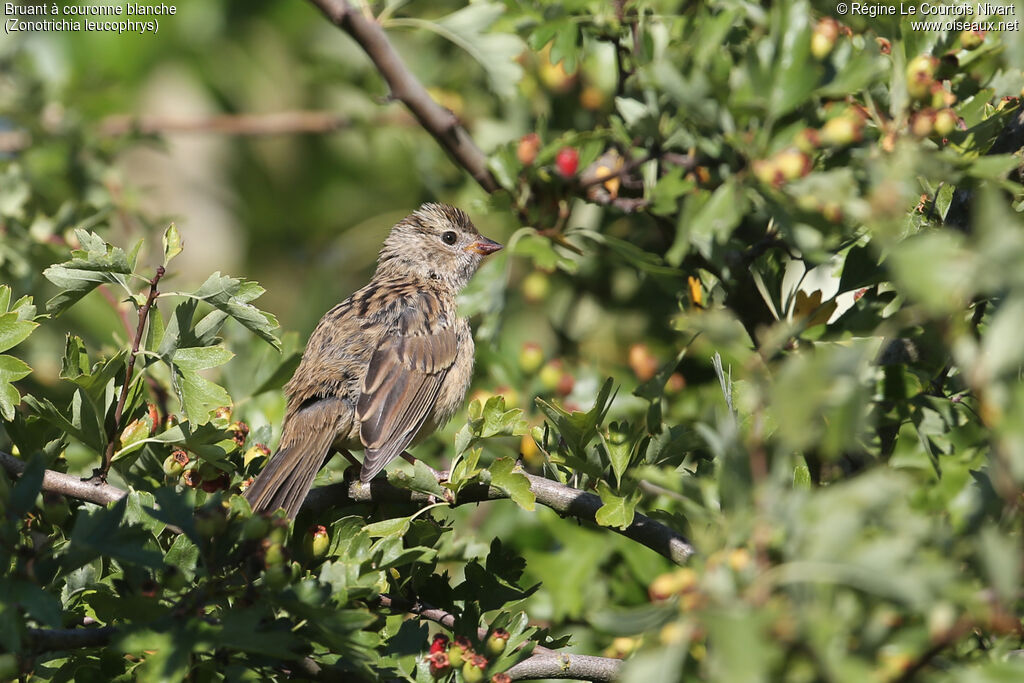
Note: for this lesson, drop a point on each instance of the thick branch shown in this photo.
(115, 429)
(438, 121)
(46, 640)
(561, 498)
(66, 484)
(563, 666)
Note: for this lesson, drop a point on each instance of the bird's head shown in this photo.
(435, 242)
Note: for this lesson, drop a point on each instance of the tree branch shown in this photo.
(274, 123)
(270, 123)
(566, 666)
(115, 428)
(66, 484)
(46, 640)
(561, 498)
(438, 121)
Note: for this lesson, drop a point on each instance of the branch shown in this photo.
(66, 484)
(46, 640)
(576, 667)
(52, 640)
(438, 121)
(115, 429)
(275, 123)
(271, 123)
(561, 498)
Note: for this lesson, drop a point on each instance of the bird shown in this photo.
(387, 366)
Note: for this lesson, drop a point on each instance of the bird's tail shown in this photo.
(287, 478)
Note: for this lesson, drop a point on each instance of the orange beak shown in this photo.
(483, 246)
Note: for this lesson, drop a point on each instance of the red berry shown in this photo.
(567, 160)
(439, 643)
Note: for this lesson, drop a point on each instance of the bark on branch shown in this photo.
(566, 666)
(438, 121)
(66, 484)
(563, 499)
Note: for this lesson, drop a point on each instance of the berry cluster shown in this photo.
(446, 657)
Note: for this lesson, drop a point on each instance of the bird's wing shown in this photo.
(401, 385)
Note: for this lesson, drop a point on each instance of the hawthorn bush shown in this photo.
(748, 400)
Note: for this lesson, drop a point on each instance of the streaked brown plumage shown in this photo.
(385, 367)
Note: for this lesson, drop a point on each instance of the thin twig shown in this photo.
(441, 123)
(115, 429)
(66, 484)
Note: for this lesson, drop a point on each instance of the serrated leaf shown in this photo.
(76, 359)
(619, 446)
(423, 480)
(500, 422)
(495, 52)
(198, 395)
(387, 528)
(231, 296)
(96, 263)
(618, 510)
(506, 477)
(172, 243)
(13, 331)
(11, 370)
(578, 429)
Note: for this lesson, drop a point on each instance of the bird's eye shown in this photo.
(449, 237)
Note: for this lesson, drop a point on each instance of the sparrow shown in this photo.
(387, 366)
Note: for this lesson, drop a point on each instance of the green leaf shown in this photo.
(500, 422)
(576, 428)
(618, 510)
(198, 395)
(506, 477)
(619, 444)
(13, 331)
(464, 469)
(634, 255)
(232, 296)
(541, 251)
(96, 263)
(860, 269)
(423, 480)
(172, 243)
(11, 370)
(495, 52)
(712, 223)
(29, 484)
(387, 528)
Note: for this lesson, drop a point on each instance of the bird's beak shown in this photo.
(483, 246)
